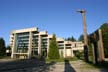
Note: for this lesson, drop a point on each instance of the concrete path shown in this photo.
(75, 66)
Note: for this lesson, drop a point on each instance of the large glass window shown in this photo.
(22, 42)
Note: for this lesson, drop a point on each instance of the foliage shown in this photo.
(53, 49)
(71, 39)
(104, 29)
(2, 47)
(81, 38)
(79, 54)
(8, 47)
(90, 52)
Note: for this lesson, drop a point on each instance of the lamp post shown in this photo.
(85, 34)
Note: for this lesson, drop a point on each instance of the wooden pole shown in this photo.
(85, 35)
(101, 48)
(94, 62)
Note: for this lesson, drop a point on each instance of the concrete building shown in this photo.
(30, 42)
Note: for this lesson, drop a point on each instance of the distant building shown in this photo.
(26, 43)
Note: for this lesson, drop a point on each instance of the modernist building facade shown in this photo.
(26, 43)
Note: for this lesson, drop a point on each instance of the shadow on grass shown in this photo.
(103, 66)
(29, 65)
(68, 67)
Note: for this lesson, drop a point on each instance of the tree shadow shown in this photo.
(68, 67)
(27, 65)
(104, 66)
(44, 67)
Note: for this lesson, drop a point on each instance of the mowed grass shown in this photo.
(98, 65)
(5, 57)
(62, 59)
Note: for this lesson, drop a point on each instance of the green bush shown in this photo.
(79, 54)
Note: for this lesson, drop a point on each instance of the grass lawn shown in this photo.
(99, 65)
(5, 57)
(62, 59)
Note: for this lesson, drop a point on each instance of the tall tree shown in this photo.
(81, 38)
(104, 29)
(8, 47)
(53, 49)
(2, 47)
(71, 39)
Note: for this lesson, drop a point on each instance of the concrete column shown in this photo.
(13, 46)
(64, 51)
(101, 48)
(48, 42)
(39, 45)
(30, 45)
(72, 51)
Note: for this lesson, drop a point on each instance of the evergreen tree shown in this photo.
(2, 47)
(53, 49)
(71, 39)
(104, 29)
(8, 47)
(81, 38)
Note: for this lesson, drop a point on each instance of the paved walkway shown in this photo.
(75, 66)
(34, 65)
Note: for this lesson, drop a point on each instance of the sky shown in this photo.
(55, 16)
